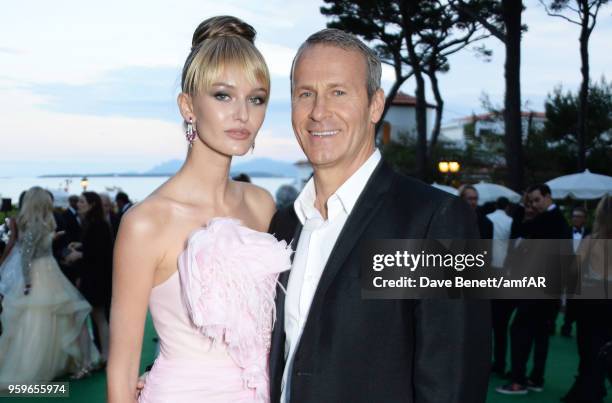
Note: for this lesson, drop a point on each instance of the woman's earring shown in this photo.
(253, 147)
(190, 132)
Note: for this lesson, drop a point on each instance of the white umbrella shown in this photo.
(490, 192)
(448, 189)
(582, 186)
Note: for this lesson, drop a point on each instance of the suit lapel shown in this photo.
(364, 210)
(277, 345)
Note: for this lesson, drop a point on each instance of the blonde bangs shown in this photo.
(220, 53)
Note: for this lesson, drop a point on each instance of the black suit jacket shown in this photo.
(71, 226)
(547, 225)
(550, 225)
(356, 350)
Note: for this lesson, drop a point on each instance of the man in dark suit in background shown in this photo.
(71, 225)
(72, 221)
(123, 204)
(329, 344)
(534, 319)
(579, 232)
(470, 195)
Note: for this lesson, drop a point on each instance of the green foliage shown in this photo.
(562, 108)
(401, 155)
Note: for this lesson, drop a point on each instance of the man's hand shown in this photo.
(58, 234)
(73, 257)
(75, 245)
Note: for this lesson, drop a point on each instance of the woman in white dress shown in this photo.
(44, 316)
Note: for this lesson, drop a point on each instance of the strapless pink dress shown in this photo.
(214, 317)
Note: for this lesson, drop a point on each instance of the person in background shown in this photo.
(579, 232)
(123, 204)
(72, 221)
(11, 276)
(109, 214)
(593, 316)
(94, 257)
(501, 309)
(522, 213)
(579, 228)
(12, 225)
(285, 196)
(534, 319)
(470, 195)
(45, 327)
(71, 224)
(242, 178)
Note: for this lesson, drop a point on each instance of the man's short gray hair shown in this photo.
(346, 41)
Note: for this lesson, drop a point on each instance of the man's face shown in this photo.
(578, 219)
(330, 112)
(539, 202)
(471, 197)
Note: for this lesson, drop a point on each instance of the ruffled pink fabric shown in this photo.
(228, 276)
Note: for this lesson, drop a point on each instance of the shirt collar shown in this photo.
(345, 197)
(551, 207)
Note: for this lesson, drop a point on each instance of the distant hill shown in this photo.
(165, 168)
(265, 167)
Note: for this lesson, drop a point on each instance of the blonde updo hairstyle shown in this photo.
(36, 211)
(218, 43)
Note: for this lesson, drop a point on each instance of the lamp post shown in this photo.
(84, 183)
(448, 167)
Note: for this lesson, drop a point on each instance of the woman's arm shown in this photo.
(136, 257)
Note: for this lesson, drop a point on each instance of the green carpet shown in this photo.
(560, 370)
(93, 388)
(561, 367)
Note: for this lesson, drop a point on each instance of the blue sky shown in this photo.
(92, 87)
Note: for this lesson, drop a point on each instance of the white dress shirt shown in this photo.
(501, 233)
(577, 235)
(75, 213)
(316, 242)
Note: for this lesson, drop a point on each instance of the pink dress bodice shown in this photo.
(214, 317)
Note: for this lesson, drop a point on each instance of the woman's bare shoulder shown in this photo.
(260, 202)
(149, 216)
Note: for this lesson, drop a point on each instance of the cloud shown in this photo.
(95, 85)
(137, 92)
(10, 51)
(38, 135)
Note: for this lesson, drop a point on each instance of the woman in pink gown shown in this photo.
(196, 251)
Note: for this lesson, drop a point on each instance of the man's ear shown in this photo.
(185, 105)
(377, 105)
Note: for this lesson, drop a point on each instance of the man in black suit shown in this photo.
(72, 221)
(71, 225)
(470, 195)
(534, 319)
(329, 344)
(123, 204)
(579, 232)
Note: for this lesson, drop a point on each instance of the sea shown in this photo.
(137, 188)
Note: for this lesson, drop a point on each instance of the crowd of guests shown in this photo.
(78, 243)
(55, 274)
(65, 311)
(530, 323)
